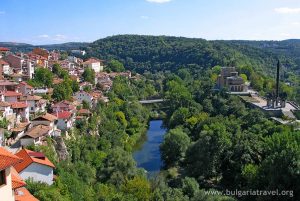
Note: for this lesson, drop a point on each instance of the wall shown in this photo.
(26, 141)
(6, 193)
(38, 172)
(11, 99)
(61, 124)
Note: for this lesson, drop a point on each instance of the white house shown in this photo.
(84, 96)
(36, 103)
(5, 67)
(36, 135)
(5, 109)
(11, 96)
(95, 64)
(21, 109)
(35, 165)
(65, 120)
(47, 120)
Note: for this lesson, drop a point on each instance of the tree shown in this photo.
(115, 66)
(43, 77)
(174, 146)
(203, 158)
(118, 166)
(75, 86)
(177, 94)
(190, 187)
(244, 76)
(280, 169)
(62, 91)
(138, 187)
(89, 75)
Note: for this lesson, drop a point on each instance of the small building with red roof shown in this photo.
(21, 109)
(35, 165)
(11, 184)
(11, 96)
(65, 120)
(63, 106)
(4, 68)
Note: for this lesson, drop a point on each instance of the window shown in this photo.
(2, 177)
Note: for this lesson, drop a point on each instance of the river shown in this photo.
(147, 155)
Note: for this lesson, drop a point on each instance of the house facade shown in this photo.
(95, 64)
(35, 166)
(65, 120)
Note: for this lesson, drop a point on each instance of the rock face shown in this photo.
(61, 148)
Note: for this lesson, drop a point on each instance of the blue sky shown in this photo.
(58, 21)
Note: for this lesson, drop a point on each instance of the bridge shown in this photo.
(152, 101)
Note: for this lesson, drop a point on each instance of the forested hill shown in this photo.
(157, 53)
(24, 47)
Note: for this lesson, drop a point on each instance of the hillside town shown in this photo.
(29, 115)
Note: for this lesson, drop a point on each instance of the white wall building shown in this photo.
(35, 165)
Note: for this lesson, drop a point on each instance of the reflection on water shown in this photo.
(148, 155)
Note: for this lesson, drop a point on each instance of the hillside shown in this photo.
(155, 53)
(23, 47)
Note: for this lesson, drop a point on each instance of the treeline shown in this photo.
(160, 53)
(214, 139)
(168, 54)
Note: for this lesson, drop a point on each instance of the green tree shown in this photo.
(89, 75)
(115, 66)
(174, 146)
(138, 187)
(43, 77)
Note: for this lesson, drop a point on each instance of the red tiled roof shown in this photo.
(11, 94)
(63, 115)
(26, 84)
(4, 104)
(7, 83)
(92, 60)
(2, 62)
(16, 180)
(7, 159)
(4, 49)
(37, 131)
(17, 105)
(22, 194)
(47, 116)
(27, 160)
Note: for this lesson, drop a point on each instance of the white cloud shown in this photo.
(43, 36)
(2, 12)
(144, 17)
(286, 10)
(158, 1)
(60, 37)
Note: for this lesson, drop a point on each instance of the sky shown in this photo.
(58, 21)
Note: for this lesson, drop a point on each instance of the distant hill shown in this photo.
(65, 46)
(15, 47)
(155, 53)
